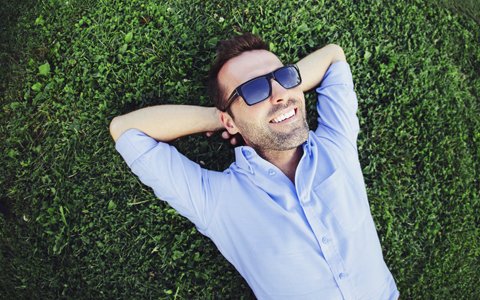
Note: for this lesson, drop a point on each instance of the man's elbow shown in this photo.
(339, 54)
(116, 128)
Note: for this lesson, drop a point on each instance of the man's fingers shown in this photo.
(225, 135)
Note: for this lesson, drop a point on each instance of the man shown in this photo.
(291, 213)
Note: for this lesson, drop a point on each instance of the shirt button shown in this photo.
(342, 275)
(325, 240)
(248, 154)
(304, 200)
(271, 172)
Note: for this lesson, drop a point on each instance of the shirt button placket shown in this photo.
(332, 258)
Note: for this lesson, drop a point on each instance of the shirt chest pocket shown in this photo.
(345, 199)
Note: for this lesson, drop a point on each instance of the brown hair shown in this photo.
(227, 50)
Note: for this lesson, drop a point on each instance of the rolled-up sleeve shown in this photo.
(187, 187)
(337, 104)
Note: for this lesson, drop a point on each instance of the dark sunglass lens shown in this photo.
(288, 77)
(256, 90)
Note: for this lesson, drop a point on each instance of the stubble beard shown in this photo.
(264, 139)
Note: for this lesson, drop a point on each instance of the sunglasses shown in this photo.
(259, 88)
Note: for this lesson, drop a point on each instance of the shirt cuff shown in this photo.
(338, 73)
(133, 143)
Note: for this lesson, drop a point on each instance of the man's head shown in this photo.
(227, 50)
(278, 122)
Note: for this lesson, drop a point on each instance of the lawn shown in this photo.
(76, 223)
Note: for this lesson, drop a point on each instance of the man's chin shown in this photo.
(290, 141)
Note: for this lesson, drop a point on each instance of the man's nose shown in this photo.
(279, 93)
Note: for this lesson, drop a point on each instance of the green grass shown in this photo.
(469, 8)
(75, 222)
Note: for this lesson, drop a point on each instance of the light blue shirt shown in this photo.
(312, 240)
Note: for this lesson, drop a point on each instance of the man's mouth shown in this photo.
(285, 116)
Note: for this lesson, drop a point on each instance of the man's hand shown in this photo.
(234, 139)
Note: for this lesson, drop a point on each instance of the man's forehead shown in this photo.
(248, 65)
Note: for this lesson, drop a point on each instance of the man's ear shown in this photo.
(228, 123)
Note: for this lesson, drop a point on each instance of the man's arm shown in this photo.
(337, 102)
(313, 66)
(167, 122)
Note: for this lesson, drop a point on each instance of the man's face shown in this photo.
(279, 122)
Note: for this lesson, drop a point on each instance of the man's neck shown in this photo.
(286, 160)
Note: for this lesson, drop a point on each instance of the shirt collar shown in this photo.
(246, 155)
(318, 163)
(243, 155)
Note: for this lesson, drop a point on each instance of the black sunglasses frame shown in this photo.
(238, 91)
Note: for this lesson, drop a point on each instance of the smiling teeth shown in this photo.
(284, 116)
